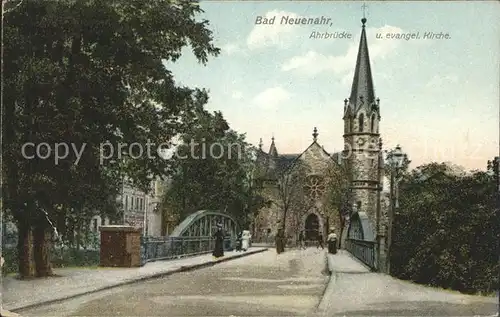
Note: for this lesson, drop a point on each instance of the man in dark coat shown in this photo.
(320, 241)
(280, 241)
(302, 244)
(219, 242)
(239, 241)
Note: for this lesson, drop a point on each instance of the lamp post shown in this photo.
(495, 168)
(395, 160)
(381, 257)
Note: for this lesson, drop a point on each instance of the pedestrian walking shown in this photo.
(219, 242)
(239, 241)
(245, 240)
(301, 240)
(280, 239)
(320, 241)
(332, 241)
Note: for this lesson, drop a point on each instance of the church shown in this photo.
(362, 158)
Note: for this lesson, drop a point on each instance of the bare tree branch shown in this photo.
(291, 195)
(5, 11)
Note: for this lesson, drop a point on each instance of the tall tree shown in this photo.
(213, 165)
(336, 198)
(84, 73)
(292, 196)
(446, 231)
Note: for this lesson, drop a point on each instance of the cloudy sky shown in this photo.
(439, 98)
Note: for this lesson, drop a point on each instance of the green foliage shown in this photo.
(76, 258)
(60, 258)
(337, 187)
(446, 230)
(214, 170)
(88, 72)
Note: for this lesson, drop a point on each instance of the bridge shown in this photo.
(293, 283)
(193, 236)
(360, 241)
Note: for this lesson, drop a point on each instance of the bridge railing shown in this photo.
(363, 251)
(168, 248)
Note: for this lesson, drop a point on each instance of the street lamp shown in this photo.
(494, 166)
(395, 161)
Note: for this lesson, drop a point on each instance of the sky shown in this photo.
(439, 99)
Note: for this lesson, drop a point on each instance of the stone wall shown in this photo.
(317, 162)
(316, 159)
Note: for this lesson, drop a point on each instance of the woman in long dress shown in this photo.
(219, 242)
(245, 240)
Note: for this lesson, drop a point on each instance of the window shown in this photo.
(103, 221)
(358, 205)
(131, 203)
(373, 123)
(361, 122)
(136, 203)
(126, 202)
(94, 225)
(315, 187)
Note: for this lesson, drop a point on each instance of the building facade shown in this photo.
(362, 145)
(362, 157)
(139, 209)
(309, 213)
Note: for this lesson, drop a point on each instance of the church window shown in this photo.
(315, 187)
(361, 122)
(373, 123)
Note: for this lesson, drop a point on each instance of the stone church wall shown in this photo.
(317, 162)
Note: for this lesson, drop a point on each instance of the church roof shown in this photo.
(362, 90)
(285, 162)
(272, 149)
(332, 156)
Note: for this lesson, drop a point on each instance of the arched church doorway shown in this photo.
(311, 227)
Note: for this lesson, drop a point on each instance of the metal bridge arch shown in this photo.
(203, 224)
(355, 230)
(361, 240)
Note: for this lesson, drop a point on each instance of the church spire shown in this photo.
(362, 91)
(272, 150)
(260, 144)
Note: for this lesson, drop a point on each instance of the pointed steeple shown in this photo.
(362, 91)
(260, 144)
(273, 152)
